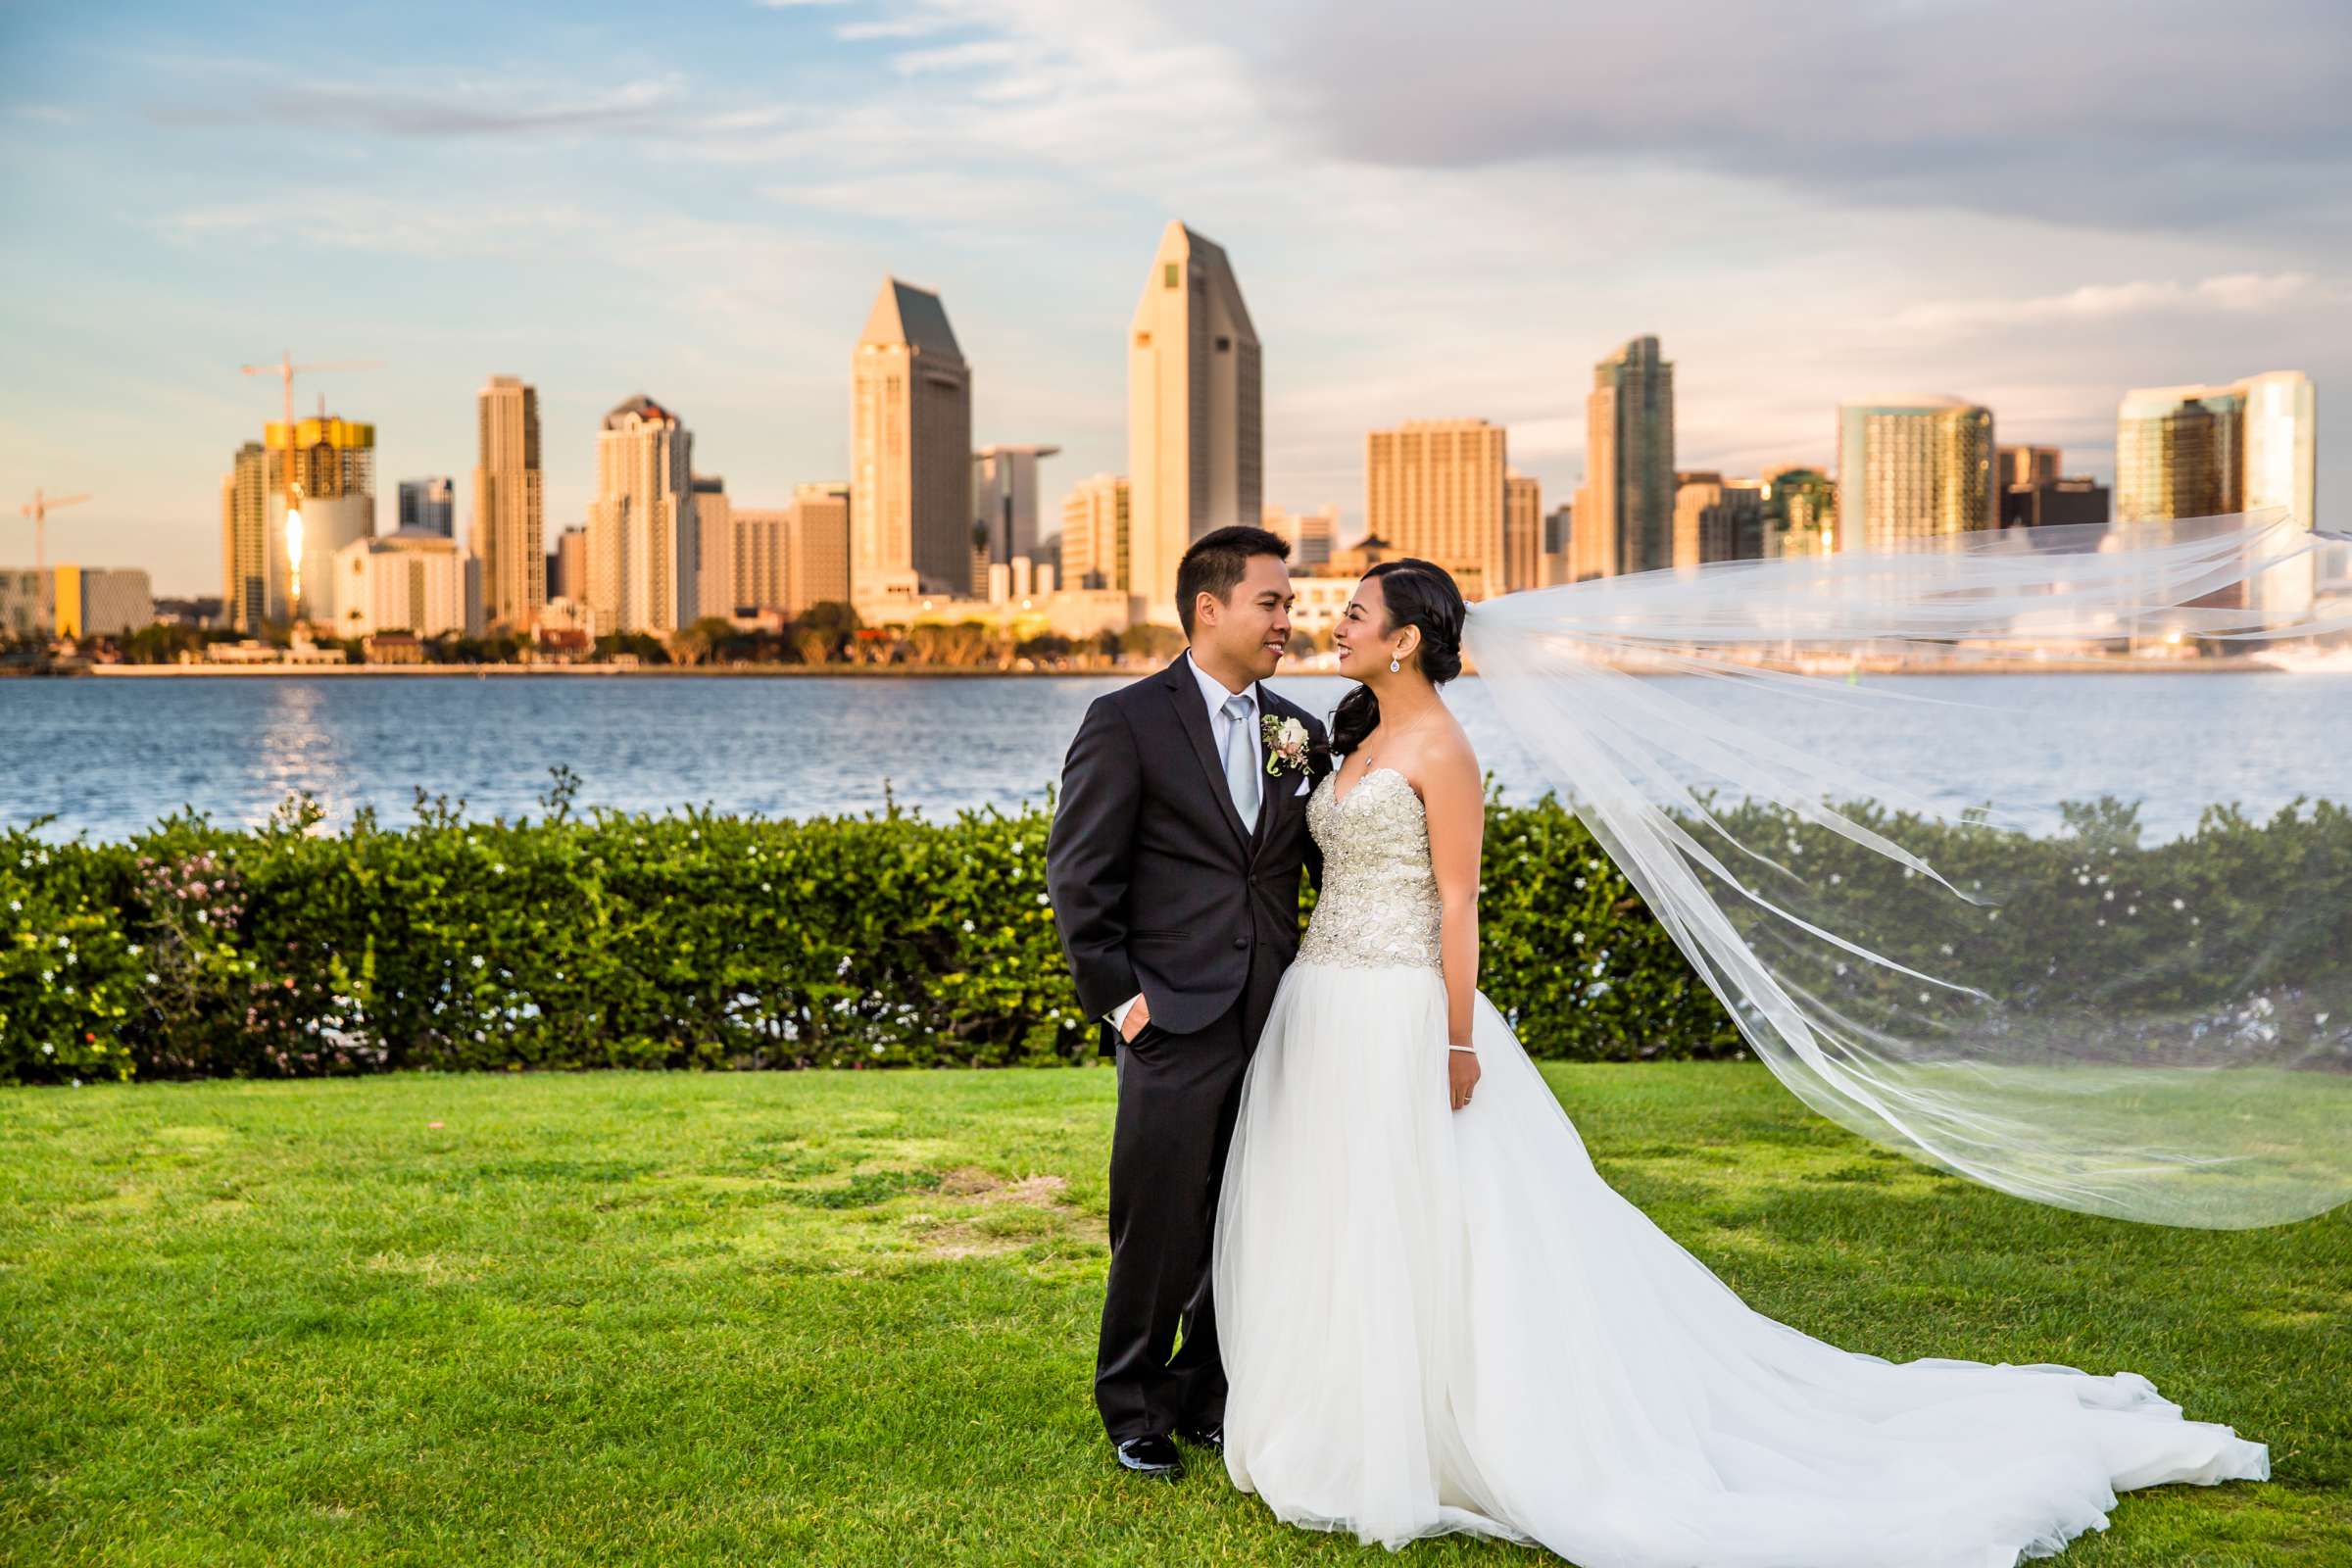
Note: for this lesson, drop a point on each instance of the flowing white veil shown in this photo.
(1965, 984)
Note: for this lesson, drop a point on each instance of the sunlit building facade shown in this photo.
(1434, 488)
(1913, 468)
(1625, 509)
(1194, 413)
(509, 527)
(1098, 535)
(640, 527)
(2215, 450)
(910, 439)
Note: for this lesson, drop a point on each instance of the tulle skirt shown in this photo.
(1436, 1321)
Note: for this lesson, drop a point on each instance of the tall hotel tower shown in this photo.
(911, 436)
(1195, 433)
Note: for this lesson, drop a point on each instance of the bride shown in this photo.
(1435, 1318)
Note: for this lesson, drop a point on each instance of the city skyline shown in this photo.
(516, 193)
(520, 193)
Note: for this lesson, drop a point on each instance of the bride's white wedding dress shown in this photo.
(1439, 1321)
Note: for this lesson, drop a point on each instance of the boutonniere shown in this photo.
(1286, 745)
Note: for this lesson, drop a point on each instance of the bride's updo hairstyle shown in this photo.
(1417, 593)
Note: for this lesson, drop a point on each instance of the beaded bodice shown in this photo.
(1379, 906)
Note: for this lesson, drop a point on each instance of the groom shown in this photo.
(1173, 867)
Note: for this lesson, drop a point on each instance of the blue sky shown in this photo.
(1435, 212)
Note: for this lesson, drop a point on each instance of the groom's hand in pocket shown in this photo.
(1138, 1015)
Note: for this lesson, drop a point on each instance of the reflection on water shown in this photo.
(108, 757)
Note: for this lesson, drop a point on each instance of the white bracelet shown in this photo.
(1473, 1049)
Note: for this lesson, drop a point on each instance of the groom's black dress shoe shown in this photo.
(1150, 1456)
(1208, 1436)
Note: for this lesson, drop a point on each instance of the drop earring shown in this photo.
(1395, 667)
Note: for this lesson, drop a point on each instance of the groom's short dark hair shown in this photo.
(1218, 560)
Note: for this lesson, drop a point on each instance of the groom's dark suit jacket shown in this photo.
(1158, 886)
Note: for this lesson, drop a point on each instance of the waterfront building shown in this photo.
(1912, 468)
(1194, 413)
(428, 505)
(1716, 519)
(1098, 535)
(911, 436)
(1625, 509)
(411, 580)
(1434, 488)
(509, 533)
(641, 526)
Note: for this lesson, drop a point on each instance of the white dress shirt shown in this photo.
(1220, 730)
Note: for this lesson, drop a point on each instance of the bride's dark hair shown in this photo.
(1418, 593)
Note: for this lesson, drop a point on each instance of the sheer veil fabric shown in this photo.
(1962, 982)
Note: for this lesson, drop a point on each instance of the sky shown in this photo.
(1435, 212)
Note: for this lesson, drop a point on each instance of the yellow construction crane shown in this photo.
(37, 509)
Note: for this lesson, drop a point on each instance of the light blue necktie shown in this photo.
(1240, 759)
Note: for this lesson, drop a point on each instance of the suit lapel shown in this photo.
(1185, 691)
(1274, 789)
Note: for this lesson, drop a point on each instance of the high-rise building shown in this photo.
(1559, 545)
(245, 539)
(508, 526)
(1522, 531)
(333, 465)
(817, 547)
(1625, 509)
(1716, 519)
(1434, 488)
(713, 548)
(760, 539)
(1004, 499)
(910, 433)
(429, 506)
(1311, 535)
(2026, 466)
(1196, 429)
(641, 525)
(567, 566)
(2211, 450)
(1911, 469)
(1098, 534)
(790, 557)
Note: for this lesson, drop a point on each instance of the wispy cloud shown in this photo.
(2239, 293)
(955, 57)
(381, 225)
(412, 108)
(896, 28)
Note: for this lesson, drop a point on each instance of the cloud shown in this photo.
(2169, 113)
(379, 225)
(432, 109)
(897, 28)
(955, 57)
(2235, 293)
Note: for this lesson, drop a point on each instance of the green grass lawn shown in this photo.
(850, 1318)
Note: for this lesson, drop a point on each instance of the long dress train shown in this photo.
(1438, 1321)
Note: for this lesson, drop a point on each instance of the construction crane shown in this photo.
(285, 370)
(37, 509)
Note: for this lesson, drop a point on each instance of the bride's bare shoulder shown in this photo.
(1445, 761)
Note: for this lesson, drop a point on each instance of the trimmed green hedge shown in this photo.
(698, 939)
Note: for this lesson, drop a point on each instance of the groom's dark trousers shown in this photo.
(1158, 886)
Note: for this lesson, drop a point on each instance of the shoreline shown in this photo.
(2239, 666)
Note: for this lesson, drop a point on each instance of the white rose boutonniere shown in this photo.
(1286, 745)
